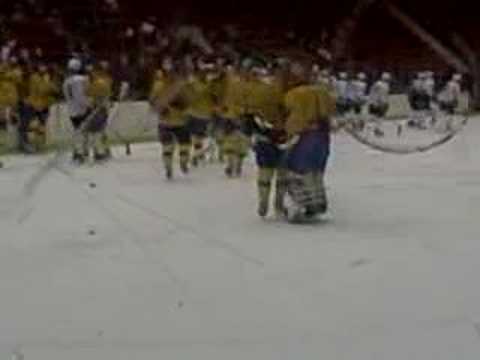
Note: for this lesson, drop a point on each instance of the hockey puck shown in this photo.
(92, 232)
(180, 304)
(92, 185)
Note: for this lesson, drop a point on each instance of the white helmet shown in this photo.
(325, 73)
(74, 65)
(343, 75)
(362, 76)
(457, 77)
(386, 76)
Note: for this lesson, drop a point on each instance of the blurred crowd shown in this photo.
(48, 32)
(37, 39)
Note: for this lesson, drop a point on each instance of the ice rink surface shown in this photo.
(115, 263)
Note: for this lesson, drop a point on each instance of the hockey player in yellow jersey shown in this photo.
(100, 91)
(267, 123)
(217, 87)
(41, 95)
(236, 110)
(11, 77)
(200, 110)
(169, 100)
(309, 109)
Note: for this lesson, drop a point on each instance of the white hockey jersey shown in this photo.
(357, 91)
(341, 89)
(451, 93)
(75, 90)
(379, 93)
(429, 86)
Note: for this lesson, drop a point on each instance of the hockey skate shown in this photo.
(263, 209)
(78, 158)
(169, 174)
(100, 158)
(184, 168)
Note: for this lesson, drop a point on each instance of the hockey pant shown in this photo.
(33, 127)
(449, 107)
(378, 112)
(199, 131)
(270, 161)
(80, 136)
(172, 138)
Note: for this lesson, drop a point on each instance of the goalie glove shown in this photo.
(290, 143)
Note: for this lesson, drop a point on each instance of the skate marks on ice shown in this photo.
(209, 240)
(129, 230)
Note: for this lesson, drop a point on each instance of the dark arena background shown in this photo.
(363, 35)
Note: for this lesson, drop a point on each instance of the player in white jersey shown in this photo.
(421, 95)
(325, 78)
(341, 91)
(379, 101)
(449, 97)
(358, 93)
(429, 85)
(75, 90)
(379, 96)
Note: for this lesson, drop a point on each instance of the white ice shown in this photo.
(139, 268)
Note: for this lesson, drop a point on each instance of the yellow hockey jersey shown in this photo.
(200, 98)
(168, 96)
(235, 102)
(307, 105)
(101, 87)
(10, 82)
(41, 91)
(265, 99)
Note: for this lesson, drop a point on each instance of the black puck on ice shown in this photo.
(92, 232)
(92, 185)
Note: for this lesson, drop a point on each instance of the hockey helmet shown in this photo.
(457, 77)
(386, 76)
(74, 65)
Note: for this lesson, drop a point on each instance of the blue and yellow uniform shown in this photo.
(309, 109)
(268, 126)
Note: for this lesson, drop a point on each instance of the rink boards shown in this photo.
(136, 121)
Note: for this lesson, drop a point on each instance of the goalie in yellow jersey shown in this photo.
(309, 109)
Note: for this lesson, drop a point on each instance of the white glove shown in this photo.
(290, 143)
